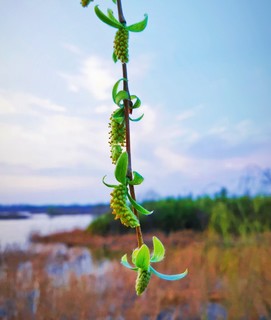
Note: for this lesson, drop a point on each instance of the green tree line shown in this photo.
(222, 214)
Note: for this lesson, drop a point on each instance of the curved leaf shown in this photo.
(138, 207)
(137, 104)
(139, 26)
(142, 258)
(158, 250)
(111, 15)
(115, 88)
(108, 185)
(106, 19)
(171, 277)
(137, 179)
(121, 168)
(137, 119)
(121, 95)
(114, 1)
(126, 264)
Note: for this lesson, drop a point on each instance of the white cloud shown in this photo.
(95, 76)
(173, 161)
(234, 133)
(104, 109)
(38, 134)
(58, 141)
(6, 107)
(22, 103)
(72, 48)
(43, 183)
(140, 67)
(189, 113)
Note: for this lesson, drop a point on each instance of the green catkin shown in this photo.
(121, 44)
(116, 152)
(120, 208)
(142, 280)
(116, 138)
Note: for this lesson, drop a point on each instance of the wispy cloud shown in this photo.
(189, 113)
(72, 48)
(36, 132)
(13, 102)
(95, 75)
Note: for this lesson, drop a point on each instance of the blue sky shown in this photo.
(201, 68)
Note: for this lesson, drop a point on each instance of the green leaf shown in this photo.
(137, 179)
(114, 1)
(138, 207)
(111, 15)
(139, 26)
(142, 259)
(118, 113)
(134, 254)
(115, 88)
(119, 119)
(106, 19)
(137, 119)
(114, 57)
(126, 264)
(171, 277)
(120, 96)
(137, 104)
(158, 250)
(108, 185)
(121, 168)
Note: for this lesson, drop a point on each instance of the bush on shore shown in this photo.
(221, 215)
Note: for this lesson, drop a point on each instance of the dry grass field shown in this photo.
(226, 280)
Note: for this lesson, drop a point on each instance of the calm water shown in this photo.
(17, 232)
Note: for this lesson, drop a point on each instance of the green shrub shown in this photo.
(223, 215)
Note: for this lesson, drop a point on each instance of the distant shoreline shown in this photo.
(11, 212)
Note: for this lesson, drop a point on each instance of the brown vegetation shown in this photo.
(235, 275)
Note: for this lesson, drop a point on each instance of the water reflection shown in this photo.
(61, 266)
(18, 232)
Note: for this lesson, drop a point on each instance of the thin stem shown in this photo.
(120, 13)
(127, 108)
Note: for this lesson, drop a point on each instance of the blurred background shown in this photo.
(203, 73)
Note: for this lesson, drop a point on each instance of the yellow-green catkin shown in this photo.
(142, 280)
(116, 138)
(121, 44)
(116, 151)
(120, 208)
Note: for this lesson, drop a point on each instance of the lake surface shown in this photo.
(18, 232)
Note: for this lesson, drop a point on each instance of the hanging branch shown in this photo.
(127, 112)
(120, 138)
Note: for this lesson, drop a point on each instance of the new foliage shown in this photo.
(123, 201)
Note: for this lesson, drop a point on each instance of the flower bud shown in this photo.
(142, 280)
(117, 137)
(121, 45)
(120, 208)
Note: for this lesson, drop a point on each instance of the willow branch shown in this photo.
(127, 107)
